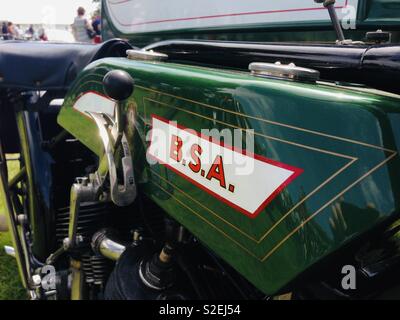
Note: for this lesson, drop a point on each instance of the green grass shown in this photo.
(10, 283)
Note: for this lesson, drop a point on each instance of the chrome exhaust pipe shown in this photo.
(104, 243)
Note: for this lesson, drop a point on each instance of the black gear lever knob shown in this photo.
(118, 85)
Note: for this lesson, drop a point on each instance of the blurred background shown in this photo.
(44, 20)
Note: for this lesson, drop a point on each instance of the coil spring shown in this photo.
(96, 269)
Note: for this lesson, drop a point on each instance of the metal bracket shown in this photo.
(82, 191)
(85, 189)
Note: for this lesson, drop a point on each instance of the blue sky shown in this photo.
(42, 11)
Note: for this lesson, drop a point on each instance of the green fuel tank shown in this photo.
(311, 166)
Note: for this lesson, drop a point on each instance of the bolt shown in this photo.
(22, 219)
(136, 235)
(36, 280)
(79, 239)
(66, 243)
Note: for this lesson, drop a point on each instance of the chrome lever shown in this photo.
(125, 193)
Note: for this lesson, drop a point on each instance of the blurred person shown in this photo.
(30, 32)
(4, 31)
(42, 35)
(96, 25)
(10, 30)
(18, 31)
(81, 28)
(97, 39)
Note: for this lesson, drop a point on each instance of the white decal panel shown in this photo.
(94, 102)
(138, 16)
(246, 182)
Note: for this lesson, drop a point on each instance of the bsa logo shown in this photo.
(214, 167)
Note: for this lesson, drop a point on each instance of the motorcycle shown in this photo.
(241, 151)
